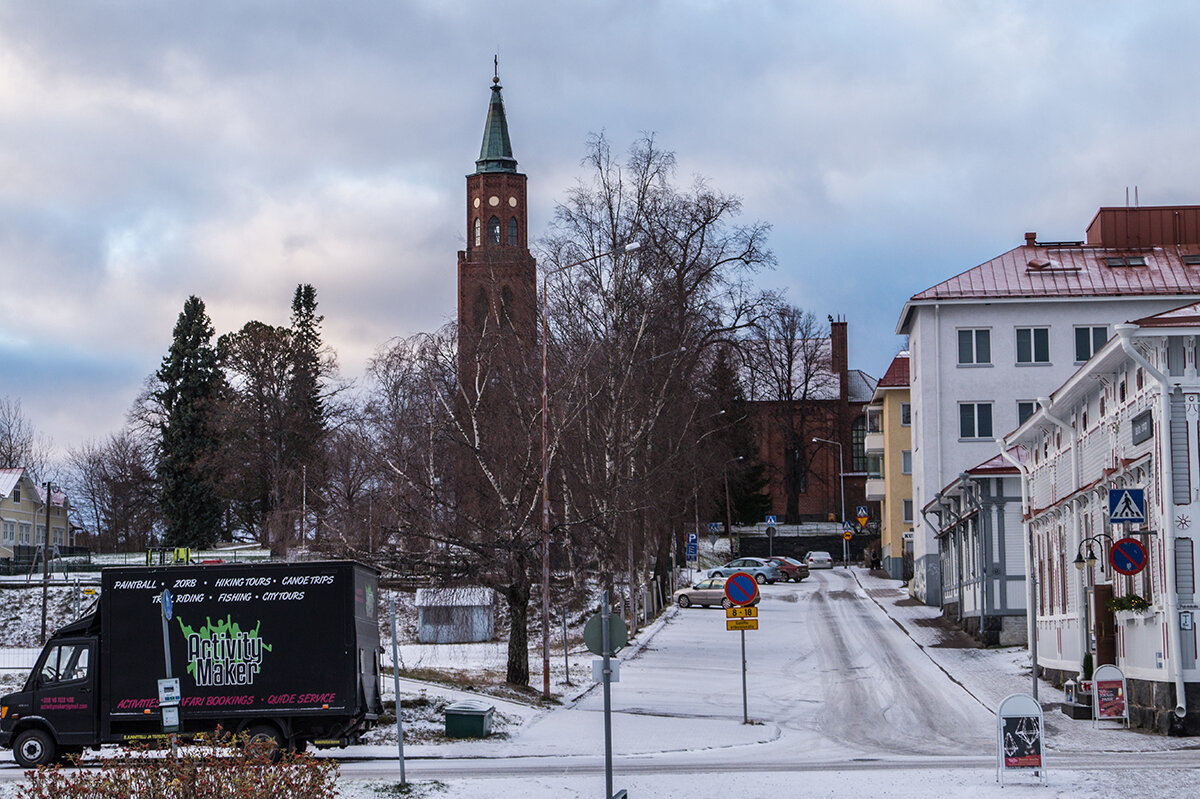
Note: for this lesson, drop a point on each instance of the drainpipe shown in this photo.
(1076, 535)
(1030, 576)
(969, 488)
(1125, 332)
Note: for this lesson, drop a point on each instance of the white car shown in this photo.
(819, 560)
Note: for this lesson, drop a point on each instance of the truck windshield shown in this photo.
(65, 662)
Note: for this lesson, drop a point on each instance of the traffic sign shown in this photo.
(593, 634)
(693, 547)
(741, 624)
(741, 613)
(1128, 556)
(741, 588)
(848, 527)
(862, 515)
(846, 536)
(1127, 505)
(166, 605)
(714, 527)
(770, 520)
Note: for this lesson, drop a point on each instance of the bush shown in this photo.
(226, 770)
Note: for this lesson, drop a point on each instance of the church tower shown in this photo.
(497, 275)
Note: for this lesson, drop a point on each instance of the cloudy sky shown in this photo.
(152, 150)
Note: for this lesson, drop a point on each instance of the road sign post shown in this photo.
(742, 590)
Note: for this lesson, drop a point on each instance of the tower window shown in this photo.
(493, 231)
(512, 232)
(477, 233)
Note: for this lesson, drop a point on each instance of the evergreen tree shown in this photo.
(188, 383)
(306, 407)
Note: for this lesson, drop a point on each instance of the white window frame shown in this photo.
(975, 337)
(906, 461)
(975, 406)
(1094, 345)
(1032, 359)
(1033, 409)
(906, 511)
(906, 412)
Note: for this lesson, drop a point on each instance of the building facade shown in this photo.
(985, 344)
(23, 514)
(1128, 419)
(889, 467)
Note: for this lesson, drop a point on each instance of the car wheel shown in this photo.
(725, 603)
(683, 601)
(263, 742)
(761, 578)
(34, 748)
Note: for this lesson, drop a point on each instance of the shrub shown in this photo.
(226, 770)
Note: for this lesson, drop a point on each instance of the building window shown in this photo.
(858, 449)
(493, 231)
(905, 414)
(974, 347)
(975, 420)
(512, 232)
(1025, 409)
(1088, 341)
(10, 532)
(906, 461)
(1033, 345)
(26, 534)
(477, 234)
(875, 467)
(907, 506)
(17, 494)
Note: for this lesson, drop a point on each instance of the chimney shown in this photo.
(1030, 239)
(838, 355)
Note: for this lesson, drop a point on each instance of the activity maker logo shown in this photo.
(222, 653)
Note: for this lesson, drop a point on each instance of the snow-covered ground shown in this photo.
(676, 743)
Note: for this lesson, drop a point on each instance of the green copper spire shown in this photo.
(496, 153)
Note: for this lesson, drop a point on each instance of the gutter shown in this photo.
(1030, 576)
(1125, 332)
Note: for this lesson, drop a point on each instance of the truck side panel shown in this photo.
(245, 640)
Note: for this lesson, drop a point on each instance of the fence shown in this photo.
(18, 659)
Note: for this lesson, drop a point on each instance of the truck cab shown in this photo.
(55, 714)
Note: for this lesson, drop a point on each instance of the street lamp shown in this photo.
(1090, 560)
(728, 509)
(618, 250)
(842, 488)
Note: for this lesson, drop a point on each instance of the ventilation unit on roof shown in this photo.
(1192, 260)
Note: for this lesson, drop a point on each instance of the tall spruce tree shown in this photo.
(189, 382)
(306, 407)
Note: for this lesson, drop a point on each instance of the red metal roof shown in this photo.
(896, 375)
(1187, 315)
(1072, 270)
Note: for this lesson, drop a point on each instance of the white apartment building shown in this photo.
(985, 344)
(1129, 419)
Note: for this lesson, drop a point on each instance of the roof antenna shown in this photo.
(496, 64)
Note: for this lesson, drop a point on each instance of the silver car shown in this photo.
(819, 560)
(709, 591)
(763, 571)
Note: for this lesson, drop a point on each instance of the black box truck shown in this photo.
(283, 651)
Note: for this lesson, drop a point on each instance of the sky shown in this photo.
(150, 151)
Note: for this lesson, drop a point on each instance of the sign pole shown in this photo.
(605, 646)
(745, 710)
(396, 686)
(166, 608)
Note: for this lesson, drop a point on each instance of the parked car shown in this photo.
(792, 569)
(819, 560)
(709, 591)
(762, 569)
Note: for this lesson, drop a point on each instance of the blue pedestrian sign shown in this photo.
(714, 527)
(1127, 505)
(770, 520)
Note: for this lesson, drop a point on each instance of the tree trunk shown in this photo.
(517, 596)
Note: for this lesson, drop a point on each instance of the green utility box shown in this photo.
(471, 718)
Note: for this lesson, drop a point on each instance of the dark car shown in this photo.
(792, 569)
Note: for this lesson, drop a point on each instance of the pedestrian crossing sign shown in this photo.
(1127, 505)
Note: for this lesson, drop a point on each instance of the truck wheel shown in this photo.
(263, 741)
(34, 748)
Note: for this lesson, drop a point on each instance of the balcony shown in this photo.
(873, 443)
(876, 489)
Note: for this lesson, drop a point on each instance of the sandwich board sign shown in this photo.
(1020, 741)
(1109, 695)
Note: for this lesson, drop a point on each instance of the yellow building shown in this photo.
(23, 514)
(889, 481)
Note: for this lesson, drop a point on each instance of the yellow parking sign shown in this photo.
(741, 613)
(741, 624)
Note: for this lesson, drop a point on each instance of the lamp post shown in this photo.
(49, 488)
(618, 250)
(842, 493)
(1090, 559)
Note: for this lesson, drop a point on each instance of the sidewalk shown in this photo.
(990, 675)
